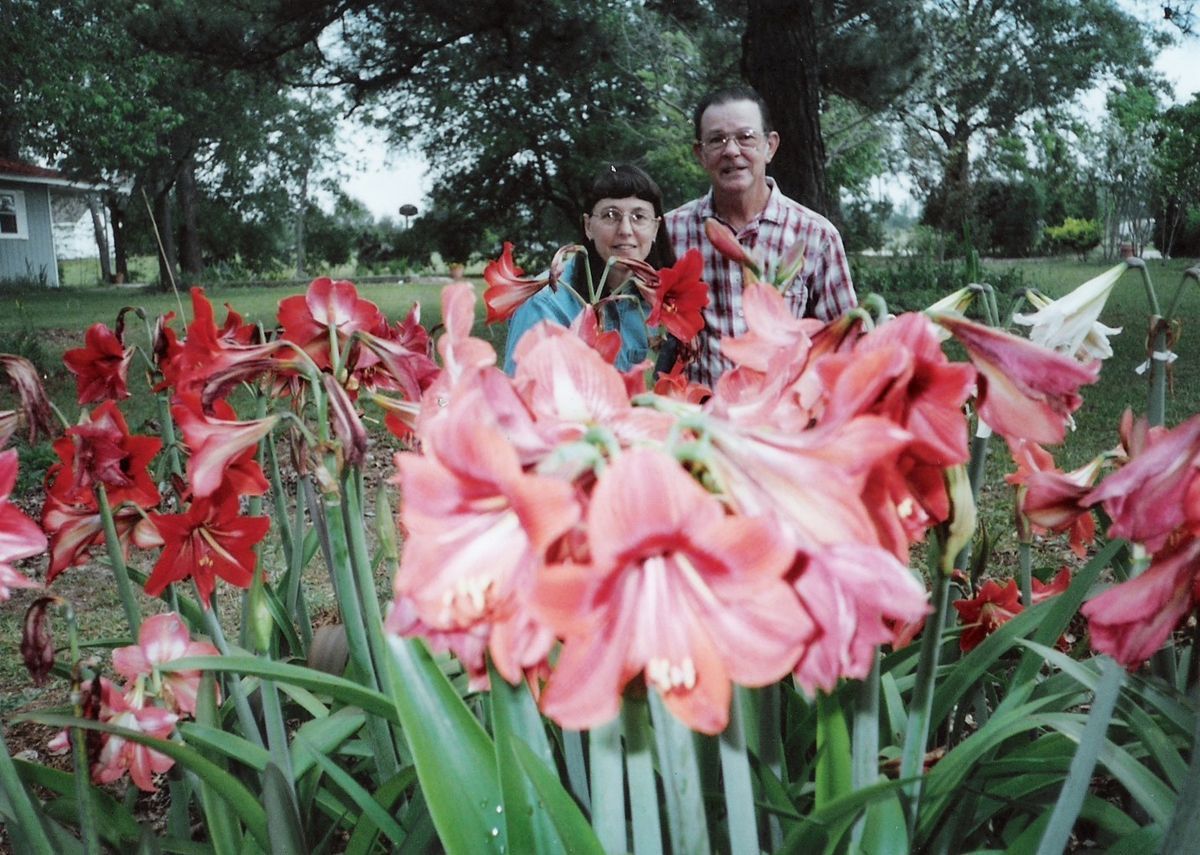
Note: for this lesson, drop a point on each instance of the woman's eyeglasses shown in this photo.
(746, 139)
(639, 221)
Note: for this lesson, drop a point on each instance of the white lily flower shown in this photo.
(1070, 324)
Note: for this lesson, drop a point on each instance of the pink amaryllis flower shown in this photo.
(326, 309)
(1130, 621)
(994, 606)
(1023, 389)
(120, 755)
(100, 451)
(680, 297)
(857, 596)
(478, 527)
(508, 287)
(1158, 491)
(207, 540)
(20, 537)
(1050, 499)
(161, 640)
(677, 591)
(101, 366)
(215, 443)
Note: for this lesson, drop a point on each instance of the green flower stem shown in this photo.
(608, 790)
(278, 496)
(1079, 776)
(336, 546)
(1156, 406)
(864, 769)
(117, 560)
(79, 754)
(912, 758)
(167, 431)
(277, 738)
(834, 761)
(241, 705)
(1025, 572)
(639, 770)
(680, 770)
(28, 829)
(739, 789)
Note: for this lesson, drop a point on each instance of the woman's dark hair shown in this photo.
(622, 181)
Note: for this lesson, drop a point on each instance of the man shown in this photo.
(734, 144)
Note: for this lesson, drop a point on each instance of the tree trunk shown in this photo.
(166, 237)
(190, 257)
(301, 210)
(116, 217)
(101, 231)
(779, 59)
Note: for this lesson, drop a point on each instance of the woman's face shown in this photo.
(622, 227)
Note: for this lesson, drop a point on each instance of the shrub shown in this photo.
(1074, 235)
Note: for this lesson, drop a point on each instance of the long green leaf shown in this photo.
(323, 735)
(364, 800)
(339, 688)
(366, 831)
(454, 757)
(813, 832)
(515, 717)
(834, 775)
(116, 823)
(573, 829)
(230, 789)
(608, 785)
(643, 791)
(283, 815)
(735, 774)
(21, 806)
(1079, 776)
(1183, 834)
(223, 828)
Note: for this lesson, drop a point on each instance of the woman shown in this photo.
(623, 219)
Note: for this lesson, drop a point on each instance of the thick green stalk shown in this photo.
(864, 769)
(83, 796)
(608, 786)
(680, 770)
(28, 828)
(212, 624)
(739, 789)
(167, 432)
(1025, 572)
(1079, 776)
(912, 758)
(117, 560)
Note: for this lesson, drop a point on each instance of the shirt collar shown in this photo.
(773, 212)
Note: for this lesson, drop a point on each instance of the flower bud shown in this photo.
(962, 515)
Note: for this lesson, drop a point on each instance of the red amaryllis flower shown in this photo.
(1023, 389)
(1045, 590)
(207, 540)
(326, 307)
(507, 287)
(120, 755)
(1158, 490)
(587, 326)
(856, 595)
(678, 591)
(20, 536)
(100, 451)
(101, 366)
(674, 384)
(208, 351)
(680, 298)
(161, 640)
(35, 406)
(75, 528)
(984, 614)
(1050, 499)
(725, 242)
(215, 443)
(1131, 620)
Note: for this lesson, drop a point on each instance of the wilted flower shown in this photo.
(35, 406)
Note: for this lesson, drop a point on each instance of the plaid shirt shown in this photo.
(822, 289)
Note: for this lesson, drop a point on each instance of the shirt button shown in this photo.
(740, 313)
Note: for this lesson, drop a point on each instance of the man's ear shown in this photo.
(772, 145)
(698, 151)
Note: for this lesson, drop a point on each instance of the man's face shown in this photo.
(740, 165)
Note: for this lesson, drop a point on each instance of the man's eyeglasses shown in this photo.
(746, 139)
(639, 221)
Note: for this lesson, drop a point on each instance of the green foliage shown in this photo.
(913, 282)
(1074, 235)
(863, 224)
(1007, 217)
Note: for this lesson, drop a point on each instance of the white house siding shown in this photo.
(34, 253)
